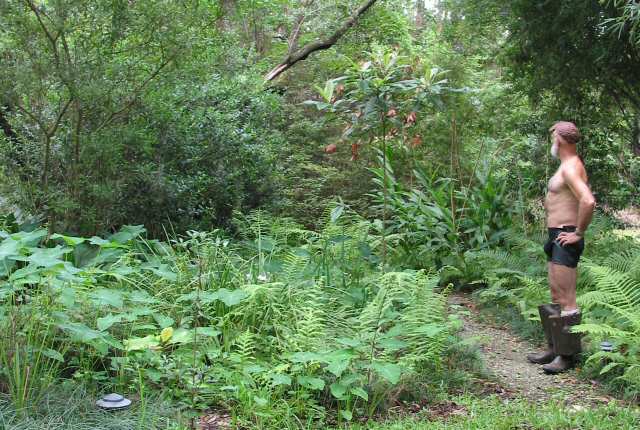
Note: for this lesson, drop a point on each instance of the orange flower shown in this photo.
(331, 148)
(354, 151)
(416, 141)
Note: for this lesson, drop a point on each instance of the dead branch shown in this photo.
(319, 45)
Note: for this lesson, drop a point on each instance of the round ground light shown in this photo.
(113, 401)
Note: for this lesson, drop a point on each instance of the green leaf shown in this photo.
(280, 379)
(30, 274)
(186, 336)
(6, 266)
(203, 297)
(388, 371)
(336, 213)
(95, 240)
(181, 336)
(340, 238)
(346, 414)
(106, 322)
(69, 240)
(67, 297)
(338, 367)
(83, 254)
(105, 256)
(120, 271)
(47, 257)
(163, 321)
(231, 298)
(254, 369)
(138, 311)
(107, 297)
(9, 247)
(393, 344)
(127, 233)
(357, 391)
(260, 402)
(31, 238)
(319, 105)
(207, 331)
(160, 269)
(338, 390)
(608, 367)
(141, 343)
(53, 354)
(305, 357)
(311, 382)
(80, 332)
(354, 343)
(141, 296)
(430, 330)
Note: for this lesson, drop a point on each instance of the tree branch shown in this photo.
(295, 34)
(134, 94)
(32, 116)
(319, 45)
(52, 39)
(54, 127)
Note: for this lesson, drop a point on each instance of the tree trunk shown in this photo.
(420, 13)
(44, 180)
(5, 126)
(227, 8)
(319, 45)
(635, 138)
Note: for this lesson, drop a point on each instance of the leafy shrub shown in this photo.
(285, 317)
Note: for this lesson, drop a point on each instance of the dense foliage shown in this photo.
(217, 321)
(181, 226)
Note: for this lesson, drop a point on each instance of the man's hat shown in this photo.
(567, 131)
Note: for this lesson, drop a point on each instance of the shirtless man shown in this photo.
(569, 205)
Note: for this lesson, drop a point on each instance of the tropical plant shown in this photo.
(380, 100)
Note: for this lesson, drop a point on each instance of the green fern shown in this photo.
(614, 290)
(619, 293)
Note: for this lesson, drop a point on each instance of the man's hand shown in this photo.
(568, 238)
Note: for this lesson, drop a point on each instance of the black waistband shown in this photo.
(563, 228)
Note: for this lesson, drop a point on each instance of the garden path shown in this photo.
(503, 355)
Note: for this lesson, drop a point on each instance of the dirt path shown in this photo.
(504, 359)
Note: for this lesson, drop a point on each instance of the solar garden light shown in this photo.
(113, 402)
(606, 346)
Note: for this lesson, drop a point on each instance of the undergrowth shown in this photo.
(279, 327)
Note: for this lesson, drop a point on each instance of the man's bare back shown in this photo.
(561, 203)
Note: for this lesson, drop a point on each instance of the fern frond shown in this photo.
(616, 288)
(600, 330)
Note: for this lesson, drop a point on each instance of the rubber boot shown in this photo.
(547, 355)
(566, 345)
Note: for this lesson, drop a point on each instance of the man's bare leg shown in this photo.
(562, 282)
(554, 289)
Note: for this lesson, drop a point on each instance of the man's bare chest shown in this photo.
(556, 183)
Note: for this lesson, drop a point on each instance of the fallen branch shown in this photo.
(318, 45)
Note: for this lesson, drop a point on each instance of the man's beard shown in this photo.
(554, 150)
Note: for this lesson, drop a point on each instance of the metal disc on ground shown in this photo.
(113, 401)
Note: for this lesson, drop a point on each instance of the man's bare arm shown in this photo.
(581, 190)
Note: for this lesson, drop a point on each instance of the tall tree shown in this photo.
(563, 48)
